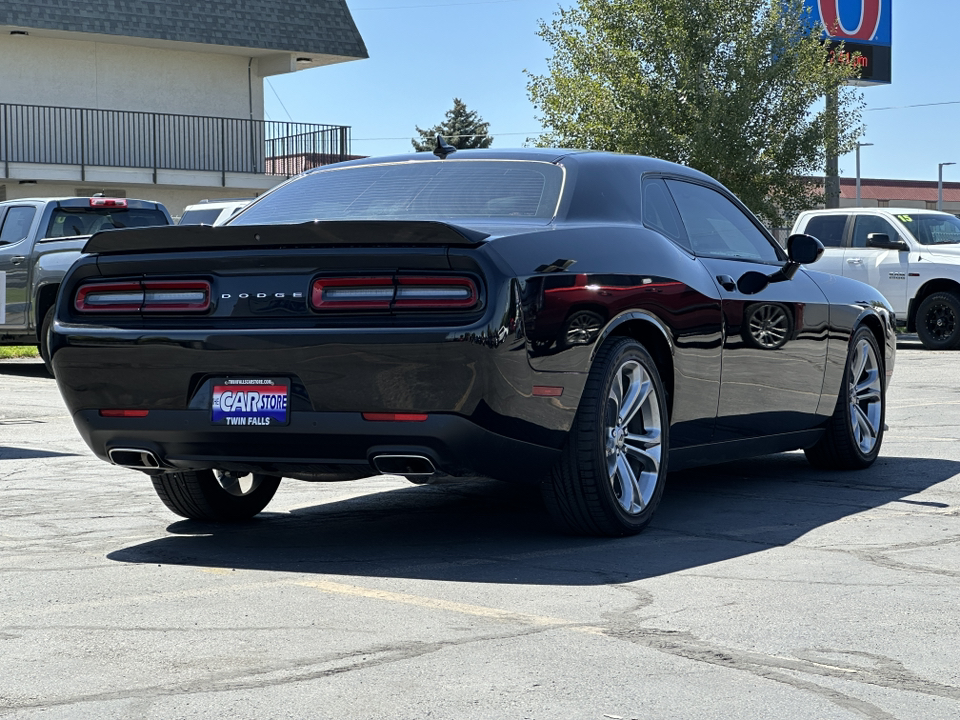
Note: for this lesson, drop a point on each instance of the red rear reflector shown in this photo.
(395, 417)
(123, 413)
(108, 202)
(545, 391)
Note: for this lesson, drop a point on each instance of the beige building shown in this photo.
(160, 100)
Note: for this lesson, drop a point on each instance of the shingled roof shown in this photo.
(313, 26)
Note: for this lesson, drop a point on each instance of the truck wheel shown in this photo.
(44, 346)
(938, 321)
(611, 474)
(213, 495)
(855, 431)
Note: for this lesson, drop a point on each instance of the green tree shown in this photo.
(734, 88)
(462, 128)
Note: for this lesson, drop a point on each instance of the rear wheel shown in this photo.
(214, 495)
(855, 432)
(610, 477)
(938, 321)
(44, 346)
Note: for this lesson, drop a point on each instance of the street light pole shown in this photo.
(940, 185)
(860, 145)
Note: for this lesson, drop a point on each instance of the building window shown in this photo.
(883, 203)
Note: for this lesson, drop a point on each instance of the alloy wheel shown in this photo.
(769, 326)
(632, 435)
(866, 397)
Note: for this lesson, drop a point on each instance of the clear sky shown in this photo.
(423, 53)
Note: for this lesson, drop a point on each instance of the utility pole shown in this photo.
(940, 185)
(860, 145)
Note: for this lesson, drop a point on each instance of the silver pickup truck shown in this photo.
(40, 238)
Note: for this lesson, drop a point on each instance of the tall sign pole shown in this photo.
(865, 28)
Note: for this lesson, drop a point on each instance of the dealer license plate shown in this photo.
(250, 402)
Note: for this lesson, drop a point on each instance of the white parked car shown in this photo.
(911, 256)
(213, 212)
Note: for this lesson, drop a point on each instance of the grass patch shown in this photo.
(14, 351)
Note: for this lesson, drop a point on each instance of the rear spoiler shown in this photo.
(386, 233)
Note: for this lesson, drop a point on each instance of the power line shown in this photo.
(289, 117)
(905, 107)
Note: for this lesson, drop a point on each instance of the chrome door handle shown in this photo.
(855, 261)
(17, 259)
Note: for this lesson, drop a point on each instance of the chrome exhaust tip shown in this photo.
(134, 458)
(407, 465)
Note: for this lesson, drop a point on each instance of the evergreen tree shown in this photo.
(462, 128)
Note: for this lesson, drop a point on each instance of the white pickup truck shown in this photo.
(911, 256)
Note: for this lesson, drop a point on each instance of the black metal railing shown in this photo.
(160, 141)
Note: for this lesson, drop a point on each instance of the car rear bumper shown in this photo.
(316, 445)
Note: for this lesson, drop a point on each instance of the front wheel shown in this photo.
(610, 477)
(214, 495)
(938, 321)
(855, 431)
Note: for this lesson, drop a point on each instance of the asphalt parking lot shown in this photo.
(763, 589)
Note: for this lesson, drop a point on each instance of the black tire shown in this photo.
(44, 346)
(839, 448)
(584, 496)
(199, 495)
(938, 321)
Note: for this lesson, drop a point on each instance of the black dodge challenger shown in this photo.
(579, 320)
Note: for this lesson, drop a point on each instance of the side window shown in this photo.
(16, 225)
(660, 214)
(828, 229)
(867, 224)
(717, 227)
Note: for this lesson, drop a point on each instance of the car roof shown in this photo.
(872, 211)
(550, 155)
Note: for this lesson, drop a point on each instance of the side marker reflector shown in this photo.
(546, 391)
(123, 413)
(395, 417)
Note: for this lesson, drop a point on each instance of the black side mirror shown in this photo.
(804, 249)
(883, 241)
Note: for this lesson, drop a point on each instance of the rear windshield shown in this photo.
(414, 190)
(67, 222)
(199, 217)
(933, 229)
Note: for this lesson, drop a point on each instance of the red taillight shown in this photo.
(359, 293)
(110, 297)
(174, 296)
(153, 296)
(395, 417)
(401, 292)
(114, 413)
(99, 202)
(435, 292)
(547, 391)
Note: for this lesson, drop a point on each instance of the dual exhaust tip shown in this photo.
(407, 465)
(134, 458)
(411, 466)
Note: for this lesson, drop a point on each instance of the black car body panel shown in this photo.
(498, 382)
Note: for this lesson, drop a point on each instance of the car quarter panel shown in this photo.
(579, 284)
